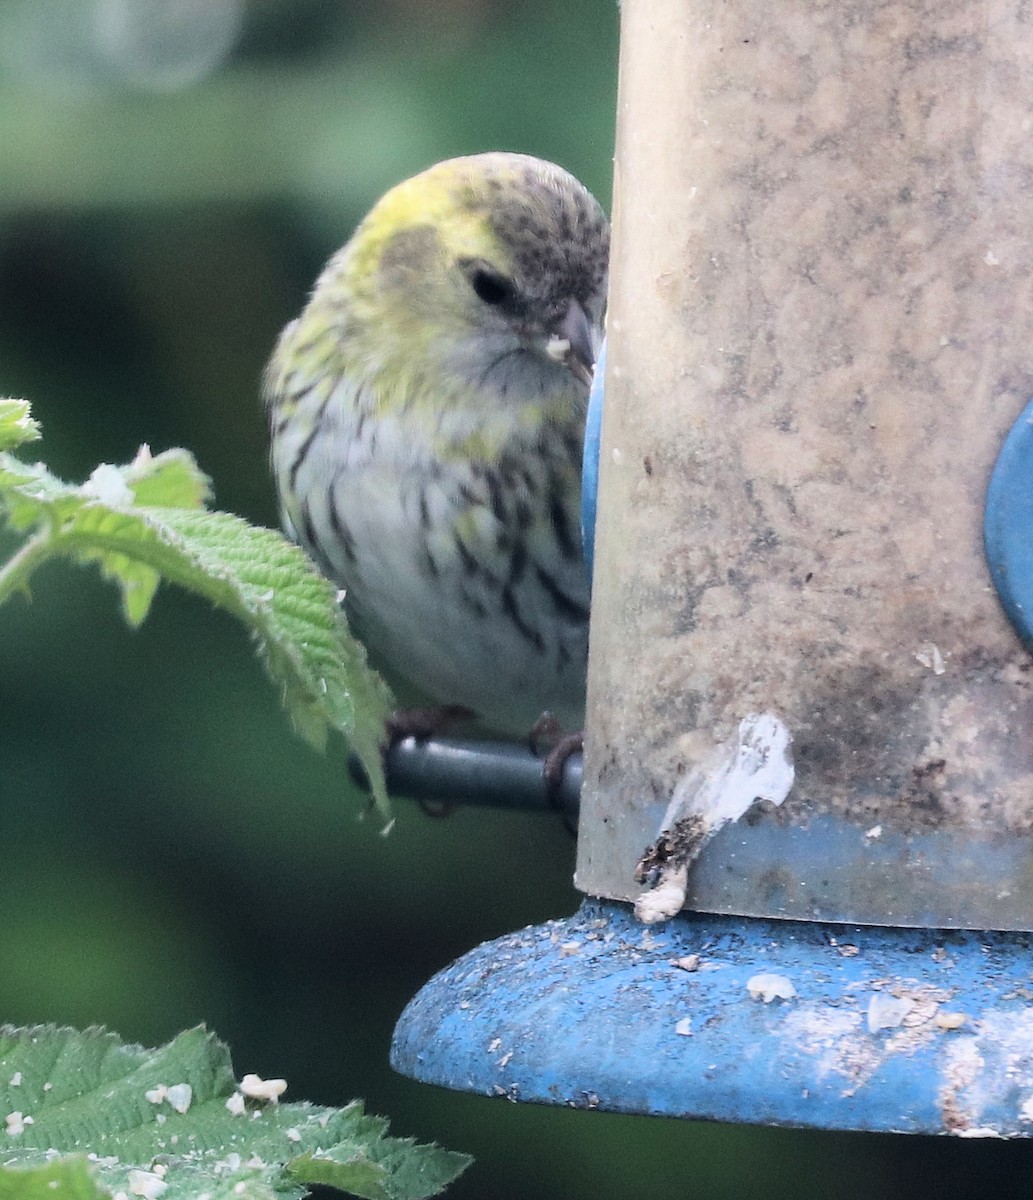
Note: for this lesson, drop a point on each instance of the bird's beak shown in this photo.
(572, 343)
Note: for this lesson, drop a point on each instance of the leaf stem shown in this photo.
(15, 573)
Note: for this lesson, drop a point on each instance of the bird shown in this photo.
(427, 413)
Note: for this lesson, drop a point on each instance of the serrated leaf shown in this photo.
(146, 521)
(356, 1175)
(171, 479)
(412, 1175)
(69, 1094)
(16, 424)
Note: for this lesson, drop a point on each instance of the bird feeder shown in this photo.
(806, 823)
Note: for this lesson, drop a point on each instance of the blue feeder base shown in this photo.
(739, 1019)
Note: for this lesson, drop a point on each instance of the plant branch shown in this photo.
(15, 573)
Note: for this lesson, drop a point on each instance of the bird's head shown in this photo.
(489, 269)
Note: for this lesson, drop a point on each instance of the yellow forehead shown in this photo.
(445, 198)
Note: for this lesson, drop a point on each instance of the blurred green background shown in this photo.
(173, 173)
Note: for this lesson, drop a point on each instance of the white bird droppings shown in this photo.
(180, 1096)
(146, 1184)
(887, 1012)
(107, 485)
(16, 1122)
(767, 987)
(664, 900)
(257, 1088)
(755, 764)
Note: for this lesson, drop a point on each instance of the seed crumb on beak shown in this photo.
(558, 348)
(572, 342)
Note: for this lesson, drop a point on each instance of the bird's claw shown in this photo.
(421, 724)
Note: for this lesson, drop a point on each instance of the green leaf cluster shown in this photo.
(148, 521)
(84, 1116)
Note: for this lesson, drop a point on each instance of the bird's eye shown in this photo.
(491, 287)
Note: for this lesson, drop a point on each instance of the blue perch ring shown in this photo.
(1008, 525)
(590, 462)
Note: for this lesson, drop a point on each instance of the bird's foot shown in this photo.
(423, 723)
(547, 738)
(556, 760)
(544, 734)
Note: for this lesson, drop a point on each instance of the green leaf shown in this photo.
(16, 424)
(146, 522)
(171, 479)
(355, 1174)
(87, 1116)
(67, 1178)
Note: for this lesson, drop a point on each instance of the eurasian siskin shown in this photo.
(427, 413)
